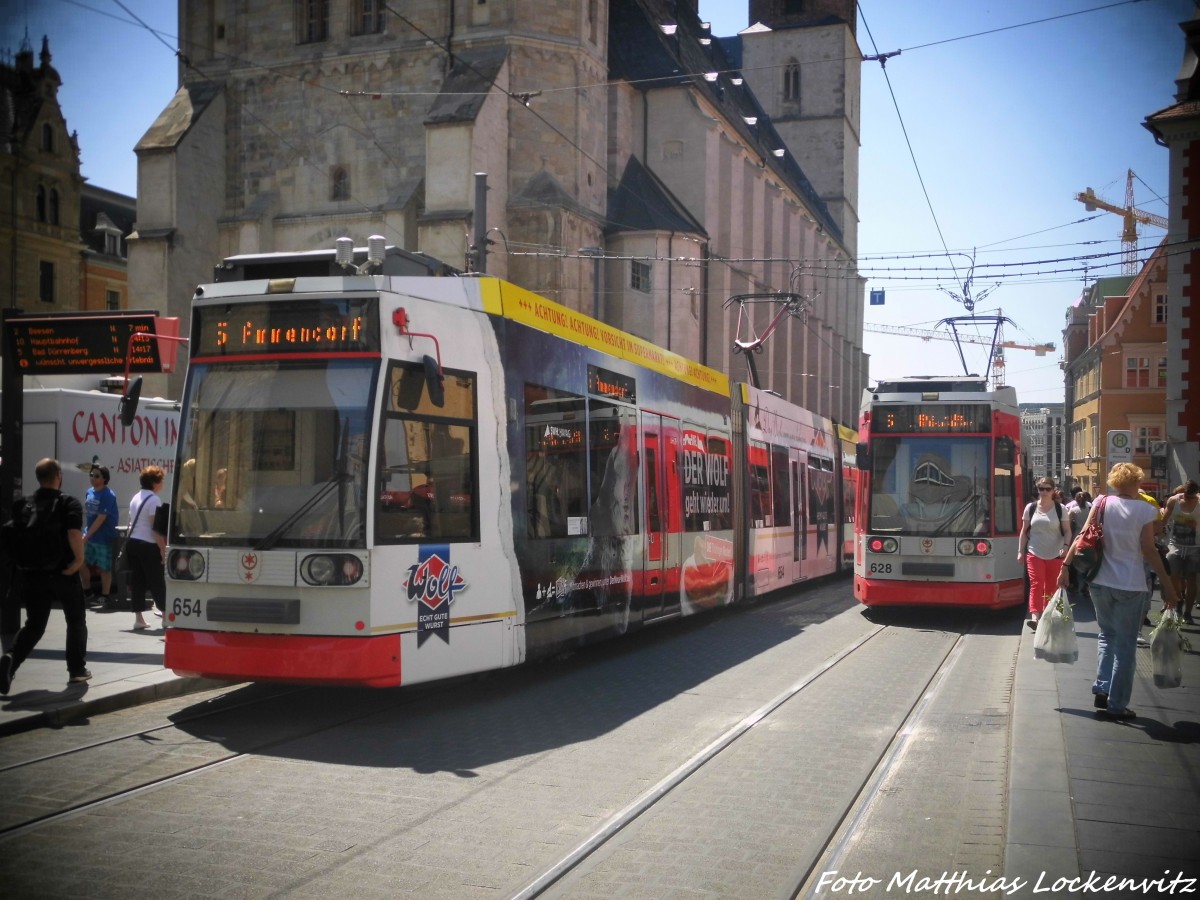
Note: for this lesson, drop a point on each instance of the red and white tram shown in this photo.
(940, 494)
(386, 479)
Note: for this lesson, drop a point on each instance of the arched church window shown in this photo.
(339, 184)
(53, 212)
(791, 82)
(40, 204)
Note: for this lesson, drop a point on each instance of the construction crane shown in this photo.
(1132, 216)
(996, 342)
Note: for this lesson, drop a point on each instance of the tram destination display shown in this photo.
(303, 326)
(932, 418)
(71, 344)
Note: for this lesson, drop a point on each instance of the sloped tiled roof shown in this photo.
(466, 87)
(642, 202)
(181, 113)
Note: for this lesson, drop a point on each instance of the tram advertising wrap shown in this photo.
(393, 479)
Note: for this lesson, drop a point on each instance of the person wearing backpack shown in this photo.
(1045, 536)
(47, 538)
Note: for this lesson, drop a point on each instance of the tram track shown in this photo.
(27, 771)
(558, 747)
(842, 829)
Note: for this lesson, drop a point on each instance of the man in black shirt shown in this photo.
(40, 586)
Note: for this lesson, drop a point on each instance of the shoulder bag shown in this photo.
(121, 559)
(1089, 546)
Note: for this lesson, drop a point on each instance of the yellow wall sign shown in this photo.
(503, 299)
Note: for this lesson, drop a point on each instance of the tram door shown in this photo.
(799, 516)
(661, 491)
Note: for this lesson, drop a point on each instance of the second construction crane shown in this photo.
(1132, 216)
(997, 344)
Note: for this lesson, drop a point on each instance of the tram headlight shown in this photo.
(974, 547)
(186, 565)
(331, 569)
(883, 545)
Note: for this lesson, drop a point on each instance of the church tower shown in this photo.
(802, 60)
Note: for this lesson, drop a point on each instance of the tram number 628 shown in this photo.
(185, 607)
(876, 568)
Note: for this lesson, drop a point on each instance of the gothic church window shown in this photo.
(339, 188)
(312, 20)
(48, 138)
(791, 82)
(40, 204)
(52, 213)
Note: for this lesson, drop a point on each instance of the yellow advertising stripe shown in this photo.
(499, 298)
(460, 620)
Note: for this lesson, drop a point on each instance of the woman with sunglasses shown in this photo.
(100, 531)
(1045, 536)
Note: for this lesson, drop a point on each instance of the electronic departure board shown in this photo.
(80, 343)
(932, 418)
(291, 326)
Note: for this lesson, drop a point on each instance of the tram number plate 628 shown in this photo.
(881, 568)
(182, 606)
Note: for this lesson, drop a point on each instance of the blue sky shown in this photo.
(1005, 129)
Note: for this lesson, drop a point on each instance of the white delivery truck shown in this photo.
(79, 428)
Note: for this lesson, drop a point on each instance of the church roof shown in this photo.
(181, 113)
(467, 86)
(642, 54)
(642, 203)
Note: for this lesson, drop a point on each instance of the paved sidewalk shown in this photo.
(127, 669)
(1088, 795)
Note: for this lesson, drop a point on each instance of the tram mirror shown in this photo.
(433, 382)
(407, 392)
(127, 408)
(862, 456)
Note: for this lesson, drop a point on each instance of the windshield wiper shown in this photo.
(337, 480)
(281, 529)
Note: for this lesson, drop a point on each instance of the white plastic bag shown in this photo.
(1166, 651)
(1054, 640)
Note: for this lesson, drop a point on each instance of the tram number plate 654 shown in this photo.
(881, 568)
(181, 606)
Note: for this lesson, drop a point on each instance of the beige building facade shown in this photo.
(635, 169)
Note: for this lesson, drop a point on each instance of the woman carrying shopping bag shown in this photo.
(1045, 536)
(1119, 588)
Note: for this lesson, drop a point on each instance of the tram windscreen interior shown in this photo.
(930, 485)
(275, 455)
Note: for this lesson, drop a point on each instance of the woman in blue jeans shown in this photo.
(1119, 589)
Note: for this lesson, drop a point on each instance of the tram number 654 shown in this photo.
(881, 568)
(185, 607)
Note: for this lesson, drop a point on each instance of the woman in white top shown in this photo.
(1045, 535)
(147, 548)
(1119, 589)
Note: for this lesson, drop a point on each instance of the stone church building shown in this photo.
(639, 168)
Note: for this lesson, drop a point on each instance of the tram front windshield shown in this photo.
(274, 455)
(930, 485)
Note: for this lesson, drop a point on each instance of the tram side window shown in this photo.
(1004, 486)
(612, 452)
(781, 486)
(760, 485)
(427, 469)
(820, 491)
(555, 462)
(705, 462)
